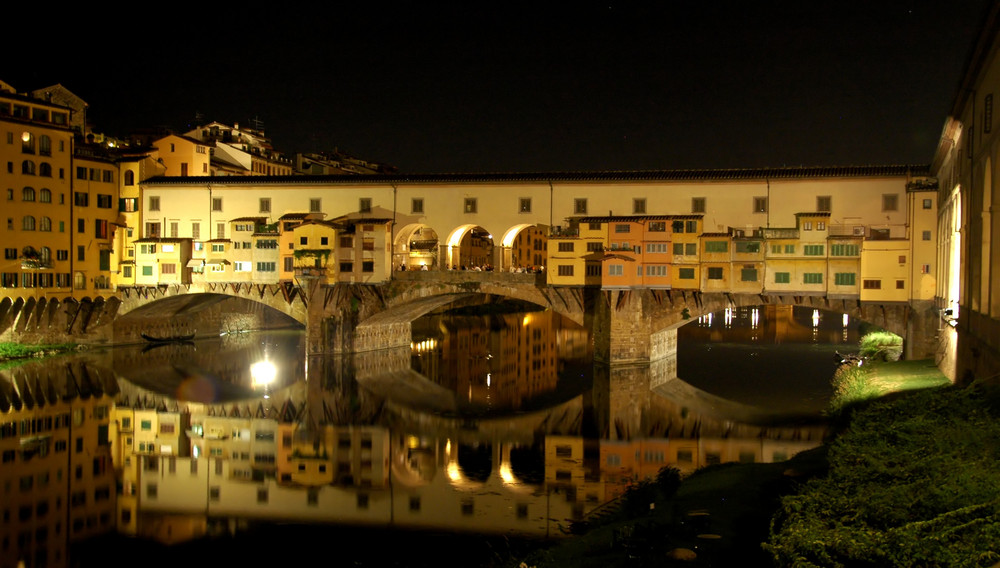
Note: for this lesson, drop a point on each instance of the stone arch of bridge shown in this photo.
(406, 301)
(179, 310)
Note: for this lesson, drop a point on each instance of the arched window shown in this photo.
(45, 145)
(46, 255)
(129, 177)
(79, 281)
(28, 223)
(44, 224)
(44, 196)
(45, 169)
(27, 194)
(28, 167)
(27, 143)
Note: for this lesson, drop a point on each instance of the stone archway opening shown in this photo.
(523, 247)
(415, 246)
(469, 247)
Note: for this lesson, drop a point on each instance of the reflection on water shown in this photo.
(769, 356)
(502, 362)
(491, 425)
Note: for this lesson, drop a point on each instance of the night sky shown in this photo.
(519, 87)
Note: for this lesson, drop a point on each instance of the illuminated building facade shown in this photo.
(967, 291)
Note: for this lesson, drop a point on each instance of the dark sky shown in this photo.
(517, 87)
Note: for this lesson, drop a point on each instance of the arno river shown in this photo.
(496, 424)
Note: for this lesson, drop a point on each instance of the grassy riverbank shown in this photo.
(908, 479)
(15, 352)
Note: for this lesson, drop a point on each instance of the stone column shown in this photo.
(622, 328)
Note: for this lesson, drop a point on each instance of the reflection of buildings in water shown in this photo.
(57, 474)
(490, 361)
(182, 464)
(773, 324)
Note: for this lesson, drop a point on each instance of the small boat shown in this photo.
(168, 339)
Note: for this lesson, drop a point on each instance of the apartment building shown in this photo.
(36, 157)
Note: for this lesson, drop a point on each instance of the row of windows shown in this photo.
(95, 174)
(39, 280)
(44, 169)
(890, 202)
(747, 274)
(29, 194)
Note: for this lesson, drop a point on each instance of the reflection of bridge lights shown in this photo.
(487, 380)
(815, 318)
(526, 321)
(453, 472)
(263, 373)
(506, 474)
(846, 319)
(729, 317)
(412, 442)
(423, 346)
(754, 318)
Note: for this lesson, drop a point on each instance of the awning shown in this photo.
(195, 263)
(217, 261)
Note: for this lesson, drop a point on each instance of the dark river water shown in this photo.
(486, 429)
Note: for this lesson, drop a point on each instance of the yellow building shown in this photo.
(716, 262)
(36, 149)
(57, 472)
(885, 270)
(685, 272)
(182, 156)
(95, 219)
(162, 261)
(748, 261)
(312, 244)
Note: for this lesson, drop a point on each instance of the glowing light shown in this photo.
(453, 473)
(815, 318)
(263, 373)
(754, 318)
(729, 317)
(506, 474)
(412, 442)
(846, 319)
(487, 379)
(26, 136)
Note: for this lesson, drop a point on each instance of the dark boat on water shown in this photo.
(168, 339)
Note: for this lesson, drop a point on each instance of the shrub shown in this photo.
(882, 346)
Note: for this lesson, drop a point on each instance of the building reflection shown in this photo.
(363, 440)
